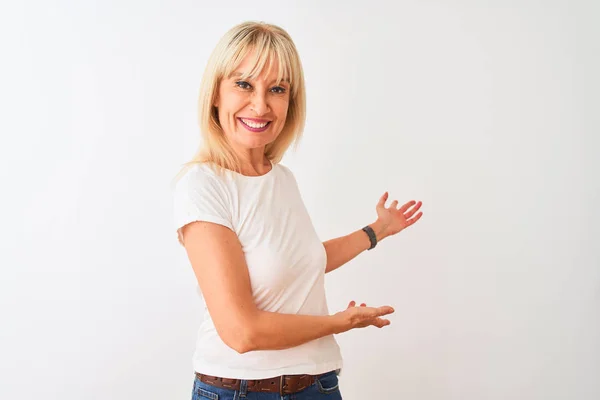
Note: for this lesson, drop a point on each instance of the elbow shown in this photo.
(240, 340)
(239, 332)
(242, 345)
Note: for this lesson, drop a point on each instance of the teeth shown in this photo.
(253, 124)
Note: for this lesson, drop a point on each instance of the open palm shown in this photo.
(393, 219)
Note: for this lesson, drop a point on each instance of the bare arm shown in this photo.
(343, 249)
(219, 265)
(276, 331)
(390, 221)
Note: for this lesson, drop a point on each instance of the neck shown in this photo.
(254, 161)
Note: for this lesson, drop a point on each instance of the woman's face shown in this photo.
(252, 113)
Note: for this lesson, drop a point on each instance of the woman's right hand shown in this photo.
(363, 316)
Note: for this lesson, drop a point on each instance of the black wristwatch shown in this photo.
(372, 237)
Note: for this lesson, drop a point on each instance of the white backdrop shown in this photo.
(485, 111)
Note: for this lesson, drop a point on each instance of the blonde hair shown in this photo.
(270, 42)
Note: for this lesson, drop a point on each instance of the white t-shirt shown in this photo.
(286, 262)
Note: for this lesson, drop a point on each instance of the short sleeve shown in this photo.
(199, 196)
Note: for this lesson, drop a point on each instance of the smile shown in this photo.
(253, 126)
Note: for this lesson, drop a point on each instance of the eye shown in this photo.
(279, 89)
(243, 84)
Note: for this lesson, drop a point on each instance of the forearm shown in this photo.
(343, 249)
(276, 331)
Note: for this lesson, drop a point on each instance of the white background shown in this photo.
(488, 112)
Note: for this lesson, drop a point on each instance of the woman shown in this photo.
(267, 332)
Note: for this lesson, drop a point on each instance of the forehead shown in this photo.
(265, 68)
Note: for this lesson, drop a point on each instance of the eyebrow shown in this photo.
(238, 74)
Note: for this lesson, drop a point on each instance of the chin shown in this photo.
(256, 142)
(256, 145)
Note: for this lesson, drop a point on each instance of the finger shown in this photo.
(394, 204)
(351, 304)
(382, 200)
(380, 322)
(384, 310)
(415, 219)
(375, 312)
(363, 305)
(412, 211)
(408, 205)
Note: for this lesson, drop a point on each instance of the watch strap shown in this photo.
(372, 237)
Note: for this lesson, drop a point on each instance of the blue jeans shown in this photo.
(325, 387)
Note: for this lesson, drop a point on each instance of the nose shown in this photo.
(259, 104)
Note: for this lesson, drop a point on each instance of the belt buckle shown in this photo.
(281, 385)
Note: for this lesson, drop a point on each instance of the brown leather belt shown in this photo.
(284, 384)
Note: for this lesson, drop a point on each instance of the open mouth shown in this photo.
(254, 126)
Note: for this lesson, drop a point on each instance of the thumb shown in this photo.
(382, 200)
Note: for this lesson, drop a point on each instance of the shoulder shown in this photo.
(202, 183)
(196, 176)
(286, 171)
(199, 195)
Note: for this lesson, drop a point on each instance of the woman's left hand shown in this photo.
(391, 220)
